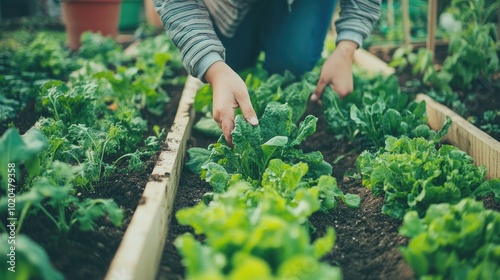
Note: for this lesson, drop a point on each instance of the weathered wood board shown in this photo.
(139, 253)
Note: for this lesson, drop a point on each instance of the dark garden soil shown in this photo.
(87, 255)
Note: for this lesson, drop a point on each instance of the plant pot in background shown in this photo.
(130, 14)
(152, 16)
(90, 15)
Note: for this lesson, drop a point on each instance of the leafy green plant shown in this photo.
(377, 122)
(101, 49)
(21, 78)
(31, 260)
(287, 180)
(16, 150)
(84, 131)
(138, 85)
(47, 189)
(471, 53)
(422, 65)
(453, 241)
(149, 47)
(412, 174)
(76, 104)
(47, 55)
(9, 109)
(375, 110)
(264, 237)
(275, 137)
(449, 99)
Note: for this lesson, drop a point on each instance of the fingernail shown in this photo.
(314, 97)
(253, 121)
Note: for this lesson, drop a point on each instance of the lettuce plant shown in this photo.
(287, 180)
(255, 233)
(453, 241)
(413, 174)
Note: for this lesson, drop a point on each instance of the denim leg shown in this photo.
(243, 48)
(294, 40)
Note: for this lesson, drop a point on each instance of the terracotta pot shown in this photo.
(152, 16)
(90, 15)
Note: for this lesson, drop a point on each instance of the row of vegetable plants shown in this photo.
(402, 160)
(421, 181)
(90, 106)
(466, 78)
(265, 189)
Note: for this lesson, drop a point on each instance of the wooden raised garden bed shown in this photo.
(140, 252)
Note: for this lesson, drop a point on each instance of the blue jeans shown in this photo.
(290, 40)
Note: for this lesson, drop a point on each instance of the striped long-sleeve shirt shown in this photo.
(189, 25)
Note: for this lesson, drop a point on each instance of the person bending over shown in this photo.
(218, 38)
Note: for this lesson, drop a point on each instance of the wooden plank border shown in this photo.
(371, 63)
(482, 147)
(140, 250)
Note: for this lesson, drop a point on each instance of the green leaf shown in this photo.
(15, 150)
(248, 267)
(245, 140)
(306, 129)
(269, 148)
(411, 225)
(451, 240)
(31, 260)
(217, 176)
(199, 260)
(90, 210)
(276, 121)
(324, 244)
(352, 200)
(197, 158)
(208, 126)
(203, 99)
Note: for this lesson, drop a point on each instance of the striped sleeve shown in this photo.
(188, 24)
(356, 20)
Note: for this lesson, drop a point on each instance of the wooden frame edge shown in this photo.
(483, 148)
(371, 63)
(140, 250)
